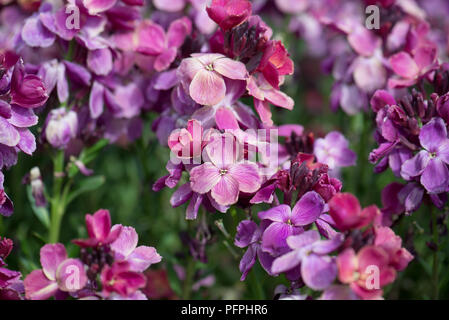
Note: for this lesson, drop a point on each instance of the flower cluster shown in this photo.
(110, 265)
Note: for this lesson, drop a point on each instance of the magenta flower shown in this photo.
(10, 284)
(58, 273)
(187, 142)
(202, 76)
(152, 40)
(430, 164)
(125, 249)
(229, 13)
(120, 279)
(225, 175)
(27, 90)
(318, 270)
(99, 230)
(61, 126)
(333, 150)
(346, 212)
(287, 221)
(412, 68)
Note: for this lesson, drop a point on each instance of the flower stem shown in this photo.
(57, 201)
(435, 280)
(188, 280)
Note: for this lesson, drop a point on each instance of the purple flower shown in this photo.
(11, 286)
(333, 150)
(249, 235)
(318, 270)
(430, 164)
(58, 273)
(287, 221)
(125, 249)
(61, 126)
(225, 175)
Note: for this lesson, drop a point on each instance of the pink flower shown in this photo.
(345, 210)
(275, 63)
(120, 279)
(187, 142)
(99, 230)
(225, 175)
(355, 270)
(152, 40)
(202, 76)
(392, 244)
(229, 13)
(411, 68)
(125, 249)
(264, 94)
(58, 273)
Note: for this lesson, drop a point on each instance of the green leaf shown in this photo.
(86, 185)
(40, 212)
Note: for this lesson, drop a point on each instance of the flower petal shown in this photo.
(435, 177)
(204, 177)
(226, 191)
(318, 272)
(51, 257)
(247, 175)
(307, 209)
(207, 88)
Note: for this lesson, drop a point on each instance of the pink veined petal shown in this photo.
(280, 99)
(247, 175)
(188, 68)
(51, 256)
(433, 134)
(263, 109)
(363, 41)
(225, 119)
(143, 257)
(126, 242)
(318, 272)
(97, 6)
(177, 32)
(223, 150)
(150, 38)
(22, 117)
(230, 68)
(425, 56)
(404, 65)
(435, 177)
(71, 276)
(38, 287)
(307, 209)
(226, 191)
(164, 60)
(286, 262)
(280, 213)
(204, 177)
(207, 88)
(416, 165)
(347, 265)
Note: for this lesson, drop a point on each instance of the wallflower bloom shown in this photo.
(152, 40)
(125, 249)
(318, 270)
(287, 221)
(58, 273)
(121, 279)
(99, 230)
(225, 175)
(202, 76)
(333, 150)
(11, 286)
(430, 164)
(345, 210)
(229, 13)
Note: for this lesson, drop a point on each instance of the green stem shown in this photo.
(188, 280)
(435, 280)
(256, 285)
(57, 201)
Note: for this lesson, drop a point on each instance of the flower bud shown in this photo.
(61, 127)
